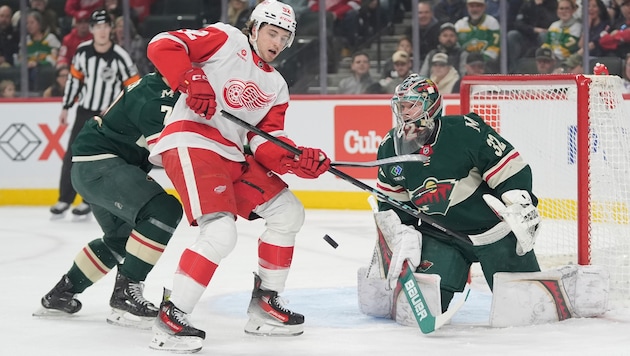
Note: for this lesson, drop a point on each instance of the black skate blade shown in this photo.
(52, 314)
(128, 320)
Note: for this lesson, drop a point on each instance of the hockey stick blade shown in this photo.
(445, 317)
(357, 183)
(380, 162)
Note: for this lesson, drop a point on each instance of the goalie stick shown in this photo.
(380, 195)
(379, 162)
(427, 322)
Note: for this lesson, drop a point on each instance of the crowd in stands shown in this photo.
(456, 37)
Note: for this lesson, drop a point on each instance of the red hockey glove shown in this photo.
(201, 98)
(310, 164)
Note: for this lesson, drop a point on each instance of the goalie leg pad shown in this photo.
(375, 298)
(521, 299)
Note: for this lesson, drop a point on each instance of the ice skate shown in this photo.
(268, 316)
(129, 307)
(58, 210)
(81, 212)
(173, 332)
(59, 302)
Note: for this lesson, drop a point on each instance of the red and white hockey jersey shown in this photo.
(244, 85)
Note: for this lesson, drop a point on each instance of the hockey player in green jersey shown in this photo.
(110, 170)
(467, 159)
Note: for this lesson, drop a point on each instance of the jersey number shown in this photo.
(499, 147)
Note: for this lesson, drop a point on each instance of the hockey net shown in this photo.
(574, 131)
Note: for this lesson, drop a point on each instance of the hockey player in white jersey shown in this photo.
(220, 68)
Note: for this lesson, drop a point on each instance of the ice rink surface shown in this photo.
(36, 252)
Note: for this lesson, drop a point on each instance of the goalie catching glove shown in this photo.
(520, 214)
(404, 241)
(201, 98)
(311, 163)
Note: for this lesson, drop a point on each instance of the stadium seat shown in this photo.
(526, 65)
(45, 77)
(615, 65)
(155, 24)
(11, 73)
(183, 7)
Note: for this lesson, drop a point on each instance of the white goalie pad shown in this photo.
(376, 299)
(521, 299)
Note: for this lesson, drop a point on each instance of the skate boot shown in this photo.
(173, 332)
(81, 212)
(129, 308)
(268, 316)
(59, 301)
(59, 210)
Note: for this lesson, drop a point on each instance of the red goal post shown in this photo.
(574, 130)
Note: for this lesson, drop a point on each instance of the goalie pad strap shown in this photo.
(491, 236)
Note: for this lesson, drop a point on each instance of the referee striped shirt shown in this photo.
(97, 78)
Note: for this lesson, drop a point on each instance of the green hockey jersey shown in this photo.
(130, 126)
(467, 159)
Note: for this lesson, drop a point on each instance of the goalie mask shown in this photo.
(274, 13)
(416, 104)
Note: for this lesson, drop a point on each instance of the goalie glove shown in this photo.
(520, 214)
(404, 241)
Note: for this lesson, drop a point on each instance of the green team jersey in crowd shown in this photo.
(130, 126)
(467, 159)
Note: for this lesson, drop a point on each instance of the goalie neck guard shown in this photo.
(416, 104)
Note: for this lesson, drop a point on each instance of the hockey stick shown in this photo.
(381, 196)
(379, 162)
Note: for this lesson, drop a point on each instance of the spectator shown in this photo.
(563, 35)
(57, 88)
(545, 61)
(530, 29)
(626, 75)
(73, 7)
(7, 89)
(360, 79)
(402, 65)
(42, 48)
(404, 44)
(80, 33)
(617, 41)
(479, 32)
(442, 73)
(9, 38)
(572, 65)
(346, 21)
(450, 10)
(475, 65)
(137, 46)
(238, 13)
(49, 16)
(599, 22)
(428, 27)
(447, 44)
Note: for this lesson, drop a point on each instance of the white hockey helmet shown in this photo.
(416, 104)
(274, 13)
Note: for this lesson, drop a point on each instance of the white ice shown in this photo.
(322, 285)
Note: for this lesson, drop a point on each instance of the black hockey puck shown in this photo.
(330, 241)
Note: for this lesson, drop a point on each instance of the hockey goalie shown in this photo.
(474, 182)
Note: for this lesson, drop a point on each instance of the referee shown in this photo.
(100, 70)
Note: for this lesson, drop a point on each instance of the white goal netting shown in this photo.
(575, 133)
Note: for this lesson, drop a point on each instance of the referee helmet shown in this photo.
(100, 16)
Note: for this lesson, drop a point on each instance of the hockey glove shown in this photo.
(310, 164)
(201, 98)
(520, 214)
(404, 241)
